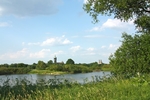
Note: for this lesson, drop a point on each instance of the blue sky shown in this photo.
(33, 30)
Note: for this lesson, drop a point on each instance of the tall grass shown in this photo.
(112, 88)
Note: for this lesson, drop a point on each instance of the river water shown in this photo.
(80, 78)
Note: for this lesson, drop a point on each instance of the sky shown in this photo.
(33, 30)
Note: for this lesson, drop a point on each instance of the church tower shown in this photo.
(55, 59)
(100, 62)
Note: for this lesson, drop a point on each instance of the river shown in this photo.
(80, 77)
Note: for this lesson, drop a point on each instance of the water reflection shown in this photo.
(33, 78)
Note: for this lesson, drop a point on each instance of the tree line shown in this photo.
(69, 67)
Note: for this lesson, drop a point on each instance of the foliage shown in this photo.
(70, 61)
(69, 68)
(21, 65)
(55, 67)
(33, 66)
(121, 9)
(41, 65)
(6, 71)
(16, 68)
(15, 65)
(95, 66)
(106, 67)
(143, 24)
(50, 62)
(132, 56)
(49, 68)
(114, 88)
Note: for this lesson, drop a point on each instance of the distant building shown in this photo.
(100, 62)
(55, 61)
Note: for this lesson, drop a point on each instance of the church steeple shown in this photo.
(55, 59)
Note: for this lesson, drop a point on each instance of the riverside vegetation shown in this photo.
(106, 88)
(50, 68)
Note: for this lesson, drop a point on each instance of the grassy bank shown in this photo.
(36, 71)
(70, 69)
(109, 89)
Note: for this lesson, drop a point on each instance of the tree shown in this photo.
(41, 65)
(139, 10)
(70, 61)
(132, 56)
(32, 66)
(19, 65)
(13, 65)
(50, 62)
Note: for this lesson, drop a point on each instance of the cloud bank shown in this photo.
(40, 54)
(56, 41)
(53, 41)
(23, 8)
(114, 24)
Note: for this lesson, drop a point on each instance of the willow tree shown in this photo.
(125, 10)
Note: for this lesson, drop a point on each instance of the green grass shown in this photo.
(114, 88)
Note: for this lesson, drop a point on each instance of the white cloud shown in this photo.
(103, 47)
(93, 36)
(91, 49)
(75, 48)
(114, 24)
(24, 8)
(40, 54)
(110, 47)
(14, 55)
(58, 53)
(4, 24)
(66, 41)
(97, 28)
(50, 41)
(113, 46)
(56, 41)
(53, 41)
